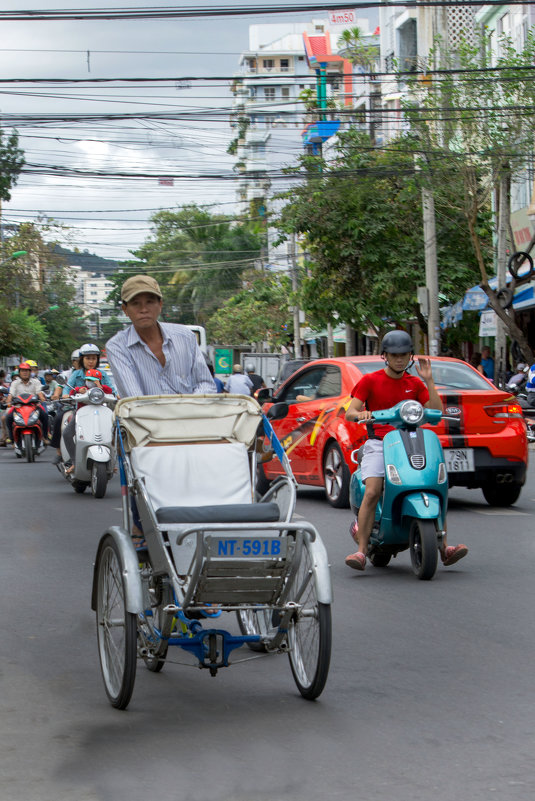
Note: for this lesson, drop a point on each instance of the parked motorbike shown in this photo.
(412, 511)
(526, 398)
(27, 429)
(95, 454)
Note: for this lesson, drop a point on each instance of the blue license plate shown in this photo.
(241, 547)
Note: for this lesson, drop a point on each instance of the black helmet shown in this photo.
(397, 342)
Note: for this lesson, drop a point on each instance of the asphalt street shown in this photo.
(430, 693)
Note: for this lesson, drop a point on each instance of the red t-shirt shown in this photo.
(378, 391)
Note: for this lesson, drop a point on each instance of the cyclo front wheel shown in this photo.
(116, 627)
(309, 633)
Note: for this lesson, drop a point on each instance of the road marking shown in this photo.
(503, 512)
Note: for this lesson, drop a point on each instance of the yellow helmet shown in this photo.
(31, 363)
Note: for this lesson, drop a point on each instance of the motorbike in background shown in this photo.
(526, 399)
(27, 429)
(95, 454)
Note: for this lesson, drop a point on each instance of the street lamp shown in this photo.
(50, 308)
(16, 255)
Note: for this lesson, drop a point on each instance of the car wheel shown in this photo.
(501, 494)
(336, 477)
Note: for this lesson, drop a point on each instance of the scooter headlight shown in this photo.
(392, 473)
(96, 395)
(442, 473)
(18, 418)
(33, 418)
(411, 412)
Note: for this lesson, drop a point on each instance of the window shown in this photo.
(318, 382)
(268, 63)
(269, 93)
(285, 92)
(285, 64)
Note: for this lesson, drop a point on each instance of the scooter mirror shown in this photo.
(60, 380)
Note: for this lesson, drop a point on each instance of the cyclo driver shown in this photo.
(382, 390)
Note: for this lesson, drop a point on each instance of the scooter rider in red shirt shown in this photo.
(382, 390)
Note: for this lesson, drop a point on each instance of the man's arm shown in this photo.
(423, 368)
(201, 379)
(124, 370)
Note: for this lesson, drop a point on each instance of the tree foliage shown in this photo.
(197, 258)
(11, 163)
(32, 284)
(258, 312)
(360, 221)
(471, 122)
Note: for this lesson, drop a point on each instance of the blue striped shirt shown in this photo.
(137, 371)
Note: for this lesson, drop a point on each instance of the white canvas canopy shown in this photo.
(163, 419)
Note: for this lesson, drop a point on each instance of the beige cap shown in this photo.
(237, 368)
(139, 283)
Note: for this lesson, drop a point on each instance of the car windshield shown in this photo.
(449, 375)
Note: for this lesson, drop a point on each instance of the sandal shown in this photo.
(356, 560)
(452, 554)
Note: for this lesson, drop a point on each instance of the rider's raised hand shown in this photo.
(423, 368)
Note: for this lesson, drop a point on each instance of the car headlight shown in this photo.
(96, 395)
(411, 412)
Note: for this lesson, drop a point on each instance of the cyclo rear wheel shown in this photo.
(260, 622)
(116, 627)
(309, 633)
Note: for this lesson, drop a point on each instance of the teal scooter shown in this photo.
(412, 511)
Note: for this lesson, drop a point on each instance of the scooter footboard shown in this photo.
(422, 505)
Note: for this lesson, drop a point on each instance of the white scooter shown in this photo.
(95, 455)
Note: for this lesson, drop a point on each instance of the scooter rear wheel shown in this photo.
(423, 548)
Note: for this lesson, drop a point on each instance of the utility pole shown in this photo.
(295, 287)
(431, 271)
(500, 344)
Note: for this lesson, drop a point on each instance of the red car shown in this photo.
(484, 439)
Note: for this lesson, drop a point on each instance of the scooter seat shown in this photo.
(221, 513)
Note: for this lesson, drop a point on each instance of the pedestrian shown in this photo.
(217, 381)
(151, 357)
(238, 383)
(382, 389)
(487, 362)
(475, 361)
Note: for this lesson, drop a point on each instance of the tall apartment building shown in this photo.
(269, 115)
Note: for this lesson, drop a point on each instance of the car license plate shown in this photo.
(459, 460)
(254, 547)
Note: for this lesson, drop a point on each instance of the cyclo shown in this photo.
(214, 547)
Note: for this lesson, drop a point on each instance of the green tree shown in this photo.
(258, 312)
(31, 286)
(11, 163)
(469, 122)
(353, 46)
(360, 222)
(198, 258)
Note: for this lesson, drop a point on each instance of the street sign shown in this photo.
(343, 16)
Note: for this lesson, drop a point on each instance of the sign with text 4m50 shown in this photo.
(343, 16)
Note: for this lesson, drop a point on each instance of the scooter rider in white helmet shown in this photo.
(382, 389)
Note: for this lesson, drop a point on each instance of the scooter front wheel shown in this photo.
(423, 548)
(99, 479)
(28, 447)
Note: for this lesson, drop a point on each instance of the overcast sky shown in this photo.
(110, 216)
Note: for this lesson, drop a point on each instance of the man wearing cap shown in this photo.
(151, 357)
(238, 383)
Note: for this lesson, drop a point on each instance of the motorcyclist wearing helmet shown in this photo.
(24, 383)
(382, 389)
(92, 378)
(89, 360)
(258, 381)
